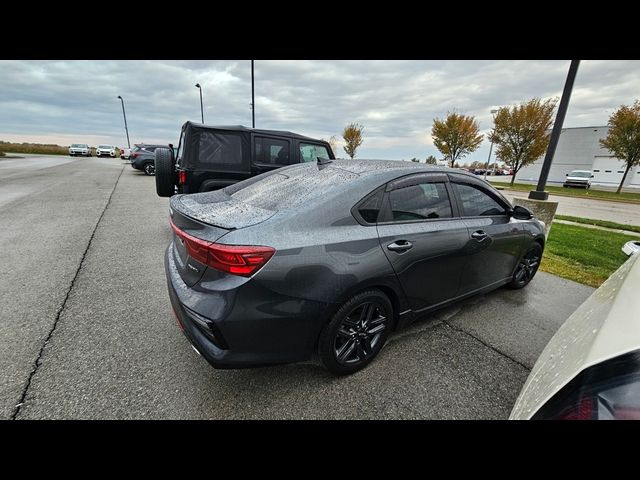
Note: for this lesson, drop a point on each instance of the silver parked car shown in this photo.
(590, 369)
(106, 151)
(80, 149)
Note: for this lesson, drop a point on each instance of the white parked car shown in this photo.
(578, 178)
(590, 369)
(80, 149)
(125, 153)
(106, 151)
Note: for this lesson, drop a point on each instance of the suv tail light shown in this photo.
(243, 260)
(134, 155)
(182, 177)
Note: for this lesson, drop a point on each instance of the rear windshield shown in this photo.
(280, 191)
(580, 174)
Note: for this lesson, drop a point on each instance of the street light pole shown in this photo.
(126, 129)
(201, 106)
(253, 101)
(539, 193)
(493, 112)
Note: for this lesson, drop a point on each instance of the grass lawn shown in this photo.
(599, 223)
(575, 192)
(584, 255)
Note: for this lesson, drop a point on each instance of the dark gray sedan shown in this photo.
(331, 257)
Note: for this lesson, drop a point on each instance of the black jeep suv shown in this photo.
(209, 158)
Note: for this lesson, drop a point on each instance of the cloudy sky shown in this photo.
(67, 102)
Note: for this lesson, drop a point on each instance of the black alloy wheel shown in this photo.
(149, 169)
(527, 267)
(356, 333)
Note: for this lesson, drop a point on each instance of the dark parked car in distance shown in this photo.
(142, 157)
(209, 157)
(329, 257)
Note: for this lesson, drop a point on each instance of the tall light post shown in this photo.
(493, 112)
(539, 193)
(126, 129)
(201, 106)
(253, 101)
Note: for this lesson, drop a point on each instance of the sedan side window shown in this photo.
(420, 202)
(477, 203)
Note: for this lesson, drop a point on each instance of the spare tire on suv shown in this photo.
(165, 172)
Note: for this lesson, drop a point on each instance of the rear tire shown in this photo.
(527, 267)
(356, 332)
(149, 169)
(165, 172)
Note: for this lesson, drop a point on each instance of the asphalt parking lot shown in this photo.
(86, 329)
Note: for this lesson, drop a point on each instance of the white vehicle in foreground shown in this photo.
(106, 151)
(590, 369)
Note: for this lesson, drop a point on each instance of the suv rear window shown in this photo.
(215, 147)
(310, 152)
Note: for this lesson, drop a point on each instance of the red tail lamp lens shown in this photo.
(243, 260)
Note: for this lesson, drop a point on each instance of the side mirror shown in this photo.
(592, 176)
(521, 213)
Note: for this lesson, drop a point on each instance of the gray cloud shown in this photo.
(396, 101)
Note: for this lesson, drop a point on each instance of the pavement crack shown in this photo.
(491, 347)
(38, 360)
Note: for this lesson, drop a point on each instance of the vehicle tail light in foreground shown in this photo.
(606, 391)
(243, 260)
(182, 177)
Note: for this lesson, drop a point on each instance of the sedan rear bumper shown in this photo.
(245, 327)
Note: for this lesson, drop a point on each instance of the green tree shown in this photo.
(352, 135)
(456, 136)
(623, 138)
(431, 160)
(415, 160)
(521, 133)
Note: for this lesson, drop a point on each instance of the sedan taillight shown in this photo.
(243, 260)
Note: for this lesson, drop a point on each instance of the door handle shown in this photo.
(400, 246)
(479, 235)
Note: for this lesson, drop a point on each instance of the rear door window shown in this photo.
(310, 152)
(272, 151)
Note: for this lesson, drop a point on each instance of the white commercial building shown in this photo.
(579, 149)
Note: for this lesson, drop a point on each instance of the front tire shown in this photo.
(527, 267)
(356, 332)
